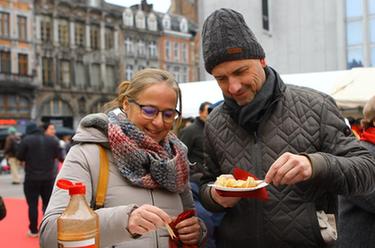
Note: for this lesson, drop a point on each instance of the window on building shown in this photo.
(355, 57)
(14, 105)
(46, 29)
(371, 6)
(184, 53)
(128, 45)
(65, 75)
(140, 19)
(141, 48)
(95, 75)
(47, 70)
(4, 24)
(372, 30)
(354, 8)
(355, 43)
(22, 64)
(152, 49)
(127, 17)
(22, 27)
(129, 72)
(176, 51)
(56, 107)
(167, 50)
(63, 32)
(141, 67)
(166, 22)
(354, 33)
(5, 66)
(184, 25)
(79, 34)
(151, 22)
(176, 73)
(94, 37)
(80, 75)
(265, 15)
(98, 106)
(111, 79)
(109, 38)
(184, 75)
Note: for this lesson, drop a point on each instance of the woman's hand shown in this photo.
(147, 218)
(189, 230)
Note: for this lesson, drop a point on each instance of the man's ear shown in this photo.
(263, 62)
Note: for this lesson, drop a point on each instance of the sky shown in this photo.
(159, 5)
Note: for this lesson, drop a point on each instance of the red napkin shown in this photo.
(240, 174)
(176, 243)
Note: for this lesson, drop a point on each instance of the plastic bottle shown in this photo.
(78, 226)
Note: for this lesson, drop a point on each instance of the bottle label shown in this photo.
(87, 243)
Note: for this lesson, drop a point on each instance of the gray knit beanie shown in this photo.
(226, 37)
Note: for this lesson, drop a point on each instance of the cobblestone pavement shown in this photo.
(7, 189)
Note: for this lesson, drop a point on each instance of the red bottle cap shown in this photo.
(74, 188)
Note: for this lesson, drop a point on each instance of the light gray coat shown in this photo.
(82, 164)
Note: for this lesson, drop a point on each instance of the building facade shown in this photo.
(77, 59)
(16, 61)
(63, 59)
(297, 35)
(360, 33)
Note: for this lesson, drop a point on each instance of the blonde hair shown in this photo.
(141, 81)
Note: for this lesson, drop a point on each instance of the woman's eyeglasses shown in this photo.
(150, 112)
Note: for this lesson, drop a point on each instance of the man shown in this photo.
(39, 152)
(293, 137)
(356, 220)
(192, 136)
(10, 148)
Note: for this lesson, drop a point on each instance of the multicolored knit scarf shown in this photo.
(144, 162)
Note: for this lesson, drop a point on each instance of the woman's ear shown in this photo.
(125, 105)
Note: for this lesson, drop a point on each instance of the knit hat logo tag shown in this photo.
(234, 50)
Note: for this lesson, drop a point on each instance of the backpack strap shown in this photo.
(101, 189)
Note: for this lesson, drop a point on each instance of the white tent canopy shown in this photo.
(350, 88)
(193, 94)
(355, 87)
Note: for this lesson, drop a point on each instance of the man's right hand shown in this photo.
(226, 202)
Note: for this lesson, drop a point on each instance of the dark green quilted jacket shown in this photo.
(300, 121)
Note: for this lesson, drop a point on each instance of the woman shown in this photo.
(356, 223)
(148, 174)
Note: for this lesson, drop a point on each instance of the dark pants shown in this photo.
(33, 189)
(212, 220)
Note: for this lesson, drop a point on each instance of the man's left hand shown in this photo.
(289, 169)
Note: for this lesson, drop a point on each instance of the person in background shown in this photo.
(3, 209)
(294, 138)
(49, 129)
(148, 170)
(356, 222)
(10, 148)
(193, 138)
(38, 152)
(67, 139)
